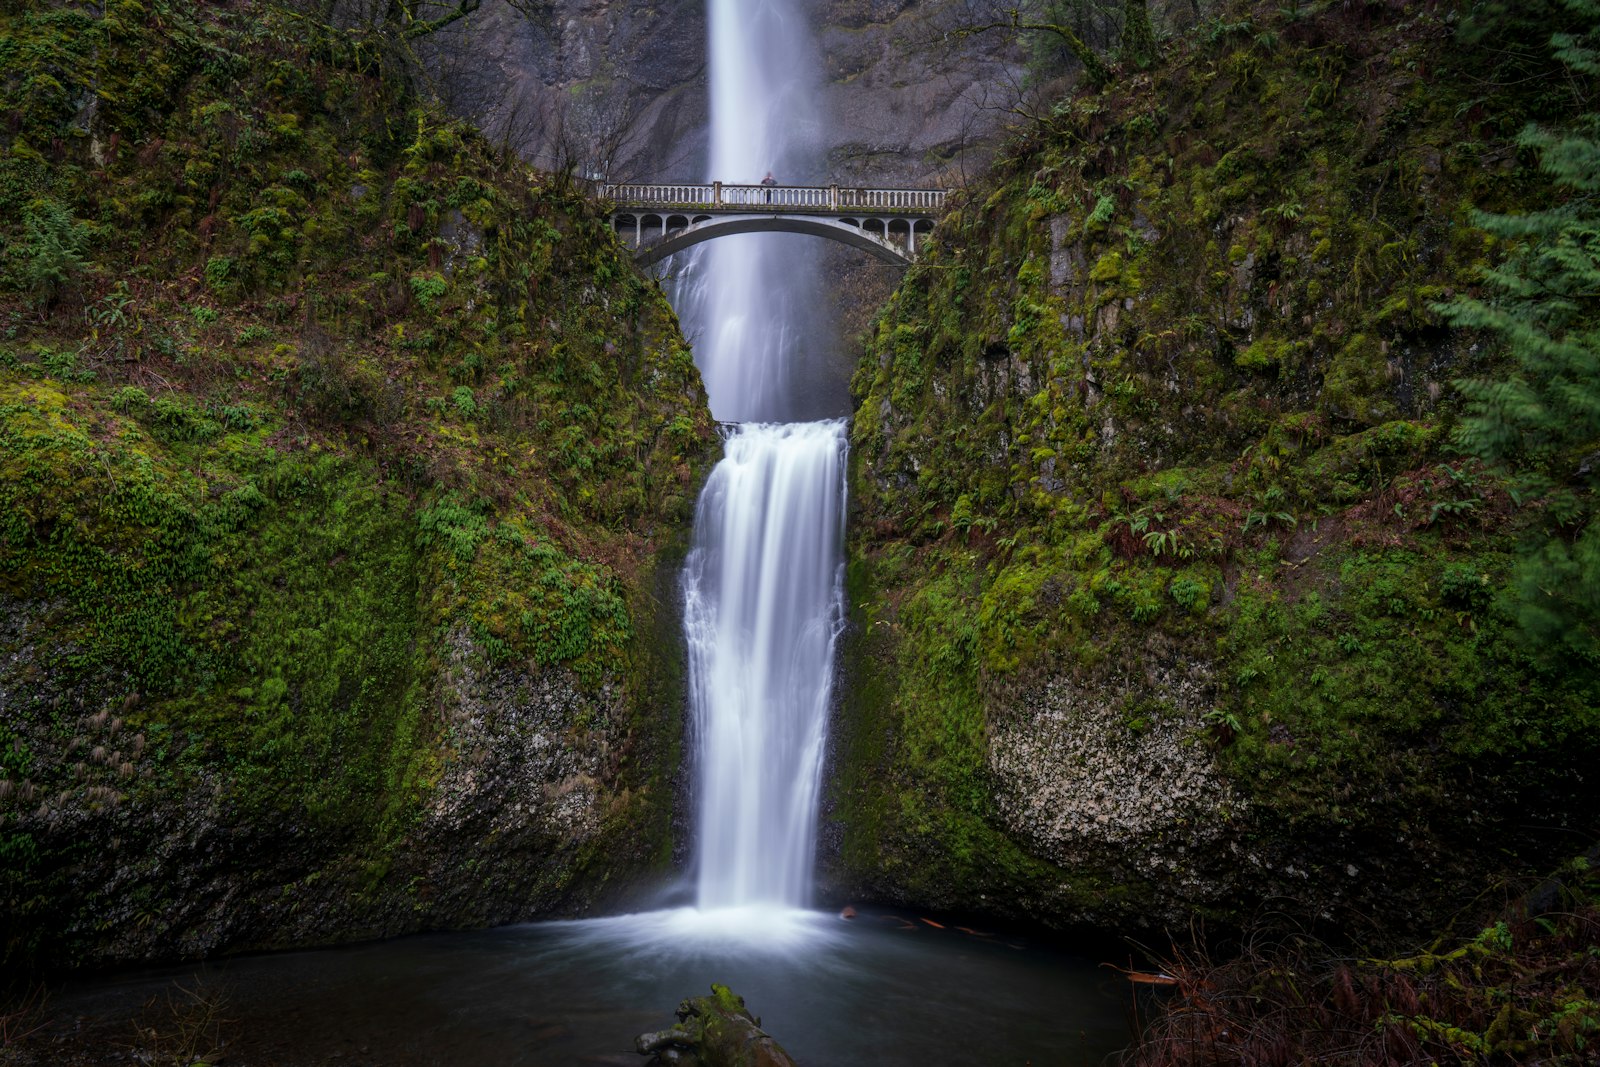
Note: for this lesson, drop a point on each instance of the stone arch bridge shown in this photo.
(658, 220)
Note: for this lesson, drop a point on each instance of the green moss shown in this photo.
(913, 796)
(1216, 418)
(1268, 353)
(1354, 387)
(1108, 268)
(303, 381)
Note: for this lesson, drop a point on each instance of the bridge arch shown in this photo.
(680, 232)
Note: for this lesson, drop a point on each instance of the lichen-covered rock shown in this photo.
(1087, 777)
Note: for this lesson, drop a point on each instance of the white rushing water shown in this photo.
(763, 585)
(763, 605)
(744, 299)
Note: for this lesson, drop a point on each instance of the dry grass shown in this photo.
(1525, 990)
(182, 1027)
(22, 1015)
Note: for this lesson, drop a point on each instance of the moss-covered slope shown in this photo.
(1185, 600)
(339, 459)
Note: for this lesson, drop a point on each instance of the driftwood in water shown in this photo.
(714, 1031)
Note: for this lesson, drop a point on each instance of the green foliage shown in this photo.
(1208, 425)
(221, 273)
(450, 523)
(428, 288)
(1557, 588)
(575, 611)
(1191, 593)
(219, 486)
(51, 257)
(1543, 420)
(63, 365)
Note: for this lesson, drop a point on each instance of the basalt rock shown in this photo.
(1096, 672)
(714, 1031)
(152, 851)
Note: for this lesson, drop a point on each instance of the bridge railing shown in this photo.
(664, 195)
(723, 196)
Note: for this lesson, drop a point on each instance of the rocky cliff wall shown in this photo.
(620, 87)
(345, 464)
(1171, 598)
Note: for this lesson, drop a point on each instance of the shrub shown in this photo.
(1542, 421)
(428, 288)
(50, 257)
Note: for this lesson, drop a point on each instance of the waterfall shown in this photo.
(744, 300)
(763, 585)
(762, 610)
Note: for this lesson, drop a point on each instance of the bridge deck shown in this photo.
(716, 197)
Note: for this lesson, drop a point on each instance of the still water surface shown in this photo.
(880, 989)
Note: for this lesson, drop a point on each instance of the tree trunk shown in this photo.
(1094, 68)
(1138, 36)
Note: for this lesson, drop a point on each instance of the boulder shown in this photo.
(713, 1031)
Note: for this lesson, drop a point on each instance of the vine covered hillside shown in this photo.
(341, 460)
(1194, 595)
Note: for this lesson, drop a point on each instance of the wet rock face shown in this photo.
(619, 87)
(144, 847)
(605, 87)
(906, 104)
(1117, 777)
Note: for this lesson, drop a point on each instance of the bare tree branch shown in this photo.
(1017, 21)
(408, 14)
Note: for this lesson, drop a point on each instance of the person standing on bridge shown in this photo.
(768, 182)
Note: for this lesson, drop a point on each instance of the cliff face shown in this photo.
(620, 88)
(606, 88)
(1171, 596)
(344, 465)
